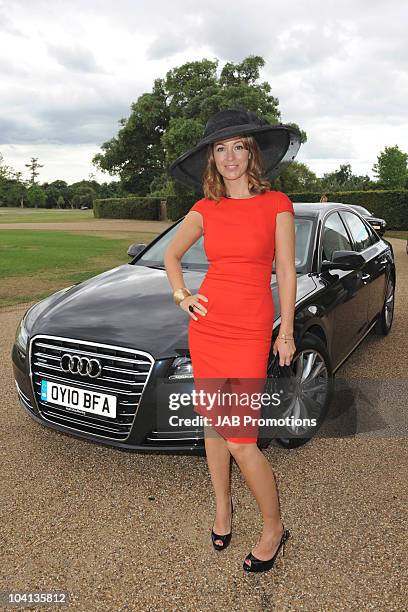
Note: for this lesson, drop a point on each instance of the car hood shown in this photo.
(129, 306)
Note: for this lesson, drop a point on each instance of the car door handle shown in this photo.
(366, 277)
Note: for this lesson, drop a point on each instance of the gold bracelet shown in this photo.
(285, 337)
(180, 294)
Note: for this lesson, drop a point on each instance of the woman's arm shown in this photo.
(188, 233)
(286, 279)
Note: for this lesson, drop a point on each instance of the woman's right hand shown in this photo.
(193, 300)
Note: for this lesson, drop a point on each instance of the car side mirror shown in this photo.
(134, 249)
(343, 260)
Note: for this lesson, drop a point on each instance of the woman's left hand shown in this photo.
(286, 350)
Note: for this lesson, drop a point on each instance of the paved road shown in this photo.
(124, 531)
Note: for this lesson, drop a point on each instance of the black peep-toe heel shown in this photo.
(257, 565)
(226, 539)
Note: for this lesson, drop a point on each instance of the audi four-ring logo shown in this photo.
(84, 366)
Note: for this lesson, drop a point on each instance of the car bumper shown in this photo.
(144, 435)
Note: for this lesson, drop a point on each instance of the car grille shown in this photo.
(191, 437)
(125, 373)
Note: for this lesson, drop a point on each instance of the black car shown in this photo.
(99, 359)
(376, 223)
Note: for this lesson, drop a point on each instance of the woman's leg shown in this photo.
(261, 480)
(219, 465)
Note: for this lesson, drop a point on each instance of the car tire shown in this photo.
(386, 316)
(310, 350)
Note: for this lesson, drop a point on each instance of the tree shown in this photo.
(54, 190)
(114, 189)
(33, 168)
(16, 194)
(162, 186)
(343, 179)
(171, 119)
(391, 168)
(19, 190)
(5, 177)
(36, 197)
(6, 172)
(82, 193)
(136, 154)
(297, 177)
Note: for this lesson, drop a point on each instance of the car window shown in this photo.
(303, 241)
(195, 256)
(358, 230)
(373, 236)
(335, 237)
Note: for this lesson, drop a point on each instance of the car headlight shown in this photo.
(25, 325)
(181, 368)
(22, 335)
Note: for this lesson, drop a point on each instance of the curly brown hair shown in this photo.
(213, 182)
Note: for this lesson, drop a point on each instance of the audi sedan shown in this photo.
(101, 360)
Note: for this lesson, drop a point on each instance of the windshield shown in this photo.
(195, 257)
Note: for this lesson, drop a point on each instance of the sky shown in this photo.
(71, 70)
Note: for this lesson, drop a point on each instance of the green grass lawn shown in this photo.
(43, 215)
(35, 263)
(28, 252)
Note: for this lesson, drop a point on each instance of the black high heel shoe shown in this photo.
(257, 565)
(226, 539)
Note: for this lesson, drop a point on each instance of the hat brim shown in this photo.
(278, 144)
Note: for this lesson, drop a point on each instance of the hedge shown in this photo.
(143, 207)
(391, 205)
(179, 205)
(134, 207)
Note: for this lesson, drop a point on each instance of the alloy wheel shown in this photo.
(308, 385)
(389, 303)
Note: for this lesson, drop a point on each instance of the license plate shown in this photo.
(78, 400)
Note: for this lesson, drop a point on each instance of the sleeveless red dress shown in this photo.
(230, 345)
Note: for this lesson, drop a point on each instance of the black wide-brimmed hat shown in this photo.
(278, 143)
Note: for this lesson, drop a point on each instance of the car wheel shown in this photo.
(384, 321)
(310, 376)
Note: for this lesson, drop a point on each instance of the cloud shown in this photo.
(72, 70)
(74, 58)
(6, 26)
(66, 121)
(166, 45)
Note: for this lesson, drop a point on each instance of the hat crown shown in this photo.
(229, 118)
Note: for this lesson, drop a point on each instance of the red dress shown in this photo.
(230, 345)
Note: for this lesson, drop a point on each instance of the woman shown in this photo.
(244, 224)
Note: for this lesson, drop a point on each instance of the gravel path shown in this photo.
(125, 225)
(123, 531)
